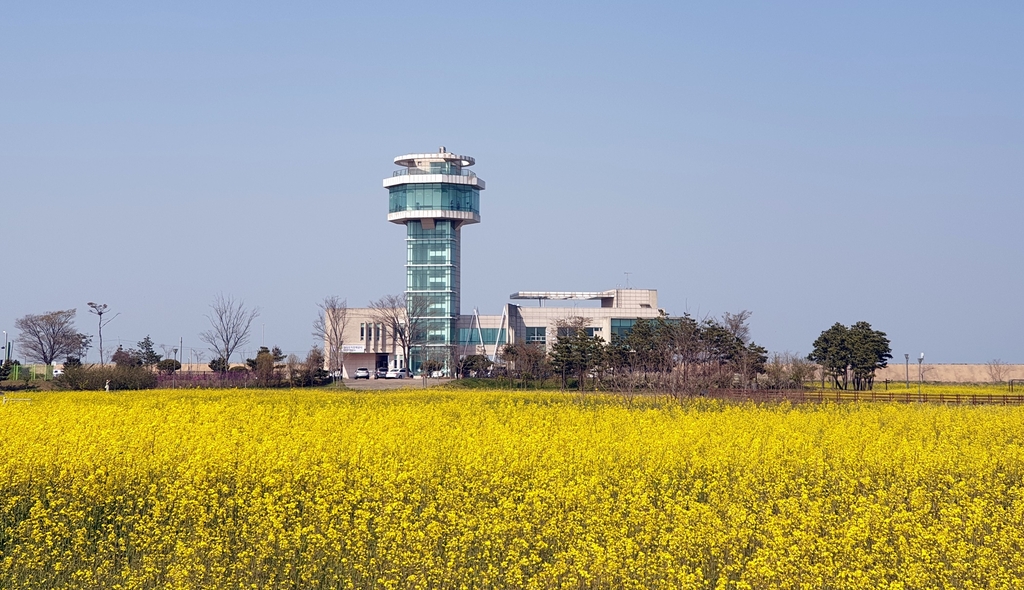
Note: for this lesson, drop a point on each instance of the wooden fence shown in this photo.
(838, 395)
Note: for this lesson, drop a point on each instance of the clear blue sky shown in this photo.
(811, 162)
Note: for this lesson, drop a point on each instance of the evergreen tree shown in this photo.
(147, 355)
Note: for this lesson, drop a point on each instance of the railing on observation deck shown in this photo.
(450, 172)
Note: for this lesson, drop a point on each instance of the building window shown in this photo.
(536, 335)
(362, 331)
(471, 336)
(427, 196)
(621, 327)
(591, 332)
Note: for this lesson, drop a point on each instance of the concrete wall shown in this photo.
(950, 373)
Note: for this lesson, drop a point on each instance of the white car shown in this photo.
(362, 373)
(397, 374)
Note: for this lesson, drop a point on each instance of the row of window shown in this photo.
(472, 336)
(449, 197)
(591, 332)
(371, 331)
(432, 252)
(430, 278)
(431, 305)
(444, 168)
(436, 331)
(621, 327)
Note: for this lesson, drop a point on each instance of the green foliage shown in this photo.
(168, 366)
(577, 354)
(475, 364)
(275, 356)
(858, 349)
(126, 358)
(121, 378)
(265, 366)
(683, 354)
(525, 362)
(218, 365)
(147, 355)
(832, 352)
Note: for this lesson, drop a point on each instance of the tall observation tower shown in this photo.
(433, 195)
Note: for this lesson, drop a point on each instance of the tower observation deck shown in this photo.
(433, 196)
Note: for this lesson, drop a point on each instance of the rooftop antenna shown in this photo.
(627, 278)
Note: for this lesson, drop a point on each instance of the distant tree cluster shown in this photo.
(858, 350)
(679, 356)
(144, 355)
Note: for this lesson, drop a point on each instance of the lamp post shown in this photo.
(906, 357)
(920, 373)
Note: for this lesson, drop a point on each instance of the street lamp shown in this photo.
(920, 373)
(906, 357)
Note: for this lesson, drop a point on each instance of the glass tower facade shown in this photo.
(433, 195)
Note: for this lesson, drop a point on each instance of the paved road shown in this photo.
(377, 384)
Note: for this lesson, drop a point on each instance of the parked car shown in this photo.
(382, 373)
(362, 373)
(396, 374)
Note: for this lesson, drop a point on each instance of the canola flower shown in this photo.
(309, 489)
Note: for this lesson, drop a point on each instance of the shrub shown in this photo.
(95, 378)
(168, 366)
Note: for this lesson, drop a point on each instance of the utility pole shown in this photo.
(920, 374)
(906, 357)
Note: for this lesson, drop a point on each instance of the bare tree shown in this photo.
(199, 355)
(736, 324)
(230, 322)
(170, 351)
(99, 309)
(785, 370)
(329, 327)
(292, 365)
(314, 364)
(403, 318)
(997, 370)
(45, 337)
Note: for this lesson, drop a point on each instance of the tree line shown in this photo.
(676, 355)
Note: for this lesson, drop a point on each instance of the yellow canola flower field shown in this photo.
(315, 489)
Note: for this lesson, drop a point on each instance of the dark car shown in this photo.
(362, 373)
(382, 373)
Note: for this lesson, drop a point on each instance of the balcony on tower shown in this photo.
(434, 186)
